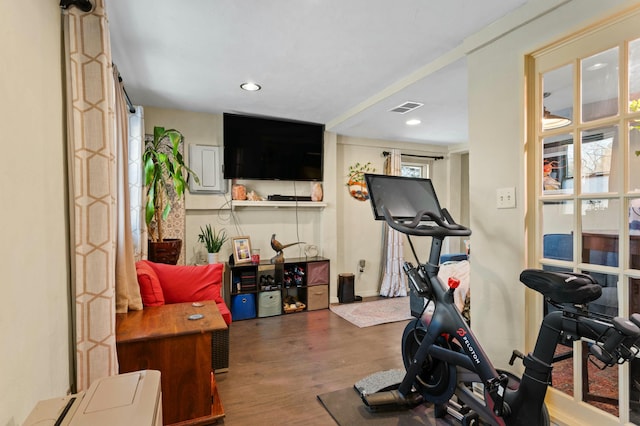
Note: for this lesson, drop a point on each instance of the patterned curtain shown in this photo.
(127, 289)
(394, 282)
(92, 186)
(136, 183)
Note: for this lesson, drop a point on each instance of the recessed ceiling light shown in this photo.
(413, 122)
(250, 87)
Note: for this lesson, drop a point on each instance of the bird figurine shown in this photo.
(279, 247)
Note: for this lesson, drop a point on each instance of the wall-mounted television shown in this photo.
(271, 148)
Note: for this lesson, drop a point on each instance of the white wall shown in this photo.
(34, 335)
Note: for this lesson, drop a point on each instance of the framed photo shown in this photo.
(241, 250)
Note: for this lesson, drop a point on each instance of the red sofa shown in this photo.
(162, 284)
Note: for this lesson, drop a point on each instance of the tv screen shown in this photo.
(269, 148)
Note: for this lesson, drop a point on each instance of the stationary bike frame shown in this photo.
(614, 341)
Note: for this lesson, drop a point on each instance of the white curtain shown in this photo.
(136, 183)
(394, 281)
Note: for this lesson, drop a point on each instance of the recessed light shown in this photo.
(413, 122)
(250, 87)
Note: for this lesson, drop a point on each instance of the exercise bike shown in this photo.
(445, 364)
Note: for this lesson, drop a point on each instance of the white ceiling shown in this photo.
(343, 63)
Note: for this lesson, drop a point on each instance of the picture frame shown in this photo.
(241, 250)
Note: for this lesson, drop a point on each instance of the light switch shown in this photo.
(506, 198)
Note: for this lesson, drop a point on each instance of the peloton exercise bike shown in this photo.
(445, 364)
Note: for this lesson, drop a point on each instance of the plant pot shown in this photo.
(167, 251)
(213, 258)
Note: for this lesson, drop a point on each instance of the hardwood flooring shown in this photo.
(279, 365)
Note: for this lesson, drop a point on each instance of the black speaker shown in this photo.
(346, 292)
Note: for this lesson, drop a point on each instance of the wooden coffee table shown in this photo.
(164, 338)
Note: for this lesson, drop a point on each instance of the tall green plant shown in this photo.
(164, 168)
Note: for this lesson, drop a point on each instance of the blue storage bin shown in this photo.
(243, 306)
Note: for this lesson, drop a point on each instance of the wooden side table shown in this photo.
(164, 338)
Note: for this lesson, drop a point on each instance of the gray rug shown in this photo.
(347, 409)
(366, 314)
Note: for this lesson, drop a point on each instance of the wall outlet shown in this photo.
(506, 198)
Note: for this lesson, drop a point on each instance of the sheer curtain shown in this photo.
(136, 183)
(92, 186)
(394, 282)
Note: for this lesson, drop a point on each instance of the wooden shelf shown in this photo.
(277, 204)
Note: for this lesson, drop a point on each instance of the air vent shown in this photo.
(406, 107)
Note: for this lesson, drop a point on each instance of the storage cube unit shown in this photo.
(317, 297)
(243, 306)
(295, 285)
(269, 303)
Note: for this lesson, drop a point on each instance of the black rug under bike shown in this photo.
(347, 409)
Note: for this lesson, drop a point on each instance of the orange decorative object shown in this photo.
(239, 192)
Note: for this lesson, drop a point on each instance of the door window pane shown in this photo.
(634, 155)
(557, 165)
(557, 226)
(599, 85)
(597, 148)
(600, 231)
(557, 98)
(634, 74)
(634, 235)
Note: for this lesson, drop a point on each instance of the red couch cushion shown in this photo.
(150, 288)
(190, 283)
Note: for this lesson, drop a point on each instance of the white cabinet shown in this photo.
(206, 162)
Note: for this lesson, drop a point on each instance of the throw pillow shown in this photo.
(150, 289)
(190, 283)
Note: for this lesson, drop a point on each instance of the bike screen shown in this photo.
(404, 197)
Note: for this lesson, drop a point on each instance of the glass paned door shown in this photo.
(587, 220)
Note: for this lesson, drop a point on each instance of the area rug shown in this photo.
(347, 409)
(366, 314)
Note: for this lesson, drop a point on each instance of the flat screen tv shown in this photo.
(270, 148)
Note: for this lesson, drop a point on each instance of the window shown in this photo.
(419, 170)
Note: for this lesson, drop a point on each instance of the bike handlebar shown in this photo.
(624, 336)
(413, 227)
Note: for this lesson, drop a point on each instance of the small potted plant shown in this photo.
(165, 178)
(213, 241)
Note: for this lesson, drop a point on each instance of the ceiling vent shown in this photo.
(406, 107)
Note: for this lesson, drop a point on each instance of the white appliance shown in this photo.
(131, 399)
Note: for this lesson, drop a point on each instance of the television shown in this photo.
(271, 148)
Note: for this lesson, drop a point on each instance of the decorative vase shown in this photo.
(167, 251)
(213, 258)
(316, 191)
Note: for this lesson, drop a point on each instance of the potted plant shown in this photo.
(213, 241)
(165, 178)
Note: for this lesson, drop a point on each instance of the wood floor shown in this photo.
(279, 365)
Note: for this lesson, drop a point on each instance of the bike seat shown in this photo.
(562, 287)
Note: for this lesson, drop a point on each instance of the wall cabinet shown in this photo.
(263, 290)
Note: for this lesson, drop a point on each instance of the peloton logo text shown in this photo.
(466, 341)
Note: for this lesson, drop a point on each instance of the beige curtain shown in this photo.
(127, 290)
(92, 182)
(394, 281)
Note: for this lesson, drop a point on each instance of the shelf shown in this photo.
(276, 204)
